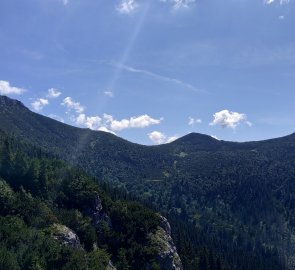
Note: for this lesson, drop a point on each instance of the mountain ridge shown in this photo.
(190, 137)
(239, 194)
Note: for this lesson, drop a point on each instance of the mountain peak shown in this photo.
(198, 141)
(6, 101)
(193, 138)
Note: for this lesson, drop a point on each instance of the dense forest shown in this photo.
(233, 202)
(40, 195)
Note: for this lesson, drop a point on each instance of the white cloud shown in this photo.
(192, 121)
(109, 93)
(7, 89)
(53, 93)
(119, 125)
(65, 2)
(92, 122)
(109, 124)
(70, 104)
(143, 121)
(215, 137)
(39, 104)
(127, 6)
(134, 122)
(105, 129)
(107, 118)
(106, 122)
(158, 137)
(226, 118)
(282, 2)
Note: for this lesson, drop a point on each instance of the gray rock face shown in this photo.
(165, 225)
(66, 236)
(98, 215)
(110, 266)
(168, 257)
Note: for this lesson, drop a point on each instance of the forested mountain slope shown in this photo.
(54, 216)
(240, 195)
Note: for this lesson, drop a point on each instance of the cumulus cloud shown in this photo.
(107, 121)
(109, 93)
(105, 129)
(127, 6)
(70, 104)
(226, 118)
(39, 104)
(119, 125)
(53, 93)
(158, 137)
(141, 121)
(193, 121)
(108, 118)
(109, 124)
(92, 122)
(7, 89)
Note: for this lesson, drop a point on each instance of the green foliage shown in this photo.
(39, 191)
(7, 198)
(237, 197)
(132, 224)
(123, 263)
(75, 220)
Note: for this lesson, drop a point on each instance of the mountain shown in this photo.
(54, 216)
(237, 197)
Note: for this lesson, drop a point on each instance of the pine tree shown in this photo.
(6, 169)
(203, 262)
(122, 261)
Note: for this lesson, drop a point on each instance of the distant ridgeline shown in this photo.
(236, 200)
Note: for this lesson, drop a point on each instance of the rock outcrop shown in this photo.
(97, 214)
(168, 257)
(66, 236)
(110, 266)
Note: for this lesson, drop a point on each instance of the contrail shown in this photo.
(157, 76)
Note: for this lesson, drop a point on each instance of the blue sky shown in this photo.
(154, 70)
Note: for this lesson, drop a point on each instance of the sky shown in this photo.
(151, 71)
